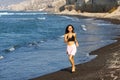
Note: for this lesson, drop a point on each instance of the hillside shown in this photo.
(115, 14)
(4, 3)
(38, 5)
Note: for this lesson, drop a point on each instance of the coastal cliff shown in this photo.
(60, 5)
(38, 5)
(93, 5)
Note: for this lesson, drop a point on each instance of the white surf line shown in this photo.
(41, 18)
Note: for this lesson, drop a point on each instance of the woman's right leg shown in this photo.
(71, 59)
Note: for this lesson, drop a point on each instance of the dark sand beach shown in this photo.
(106, 66)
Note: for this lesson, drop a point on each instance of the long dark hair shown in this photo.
(66, 30)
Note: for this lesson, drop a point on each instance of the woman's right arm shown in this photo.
(65, 38)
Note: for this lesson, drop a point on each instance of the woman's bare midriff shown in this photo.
(70, 43)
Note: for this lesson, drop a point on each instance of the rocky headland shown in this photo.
(88, 8)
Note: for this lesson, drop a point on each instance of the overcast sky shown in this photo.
(8, 2)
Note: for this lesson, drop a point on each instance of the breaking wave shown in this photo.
(71, 18)
(21, 13)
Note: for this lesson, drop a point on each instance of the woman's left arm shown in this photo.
(76, 41)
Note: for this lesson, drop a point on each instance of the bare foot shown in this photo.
(73, 69)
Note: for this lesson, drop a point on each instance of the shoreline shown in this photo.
(112, 20)
(106, 66)
(115, 15)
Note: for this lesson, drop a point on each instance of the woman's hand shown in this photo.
(65, 38)
(77, 44)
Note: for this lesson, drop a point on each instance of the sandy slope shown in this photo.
(113, 15)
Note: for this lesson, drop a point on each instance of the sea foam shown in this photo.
(84, 27)
(27, 13)
(1, 57)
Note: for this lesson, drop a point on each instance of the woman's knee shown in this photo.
(70, 57)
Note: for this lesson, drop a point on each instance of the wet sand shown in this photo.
(113, 21)
(106, 66)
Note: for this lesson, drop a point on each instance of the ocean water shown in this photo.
(32, 45)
